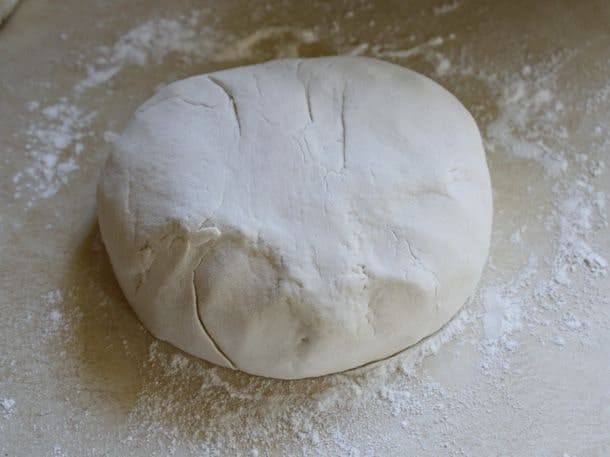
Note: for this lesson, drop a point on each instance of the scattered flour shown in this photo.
(188, 407)
(379, 51)
(288, 39)
(265, 407)
(149, 43)
(441, 63)
(7, 404)
(446, 8)
(54, 297)
(530, 122)
(53, 143)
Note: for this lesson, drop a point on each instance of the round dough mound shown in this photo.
(299, 217)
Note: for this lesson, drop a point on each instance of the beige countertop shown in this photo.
(524, 369)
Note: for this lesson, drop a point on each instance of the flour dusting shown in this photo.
(7, 404)
(446, 8)
(551, 299)
(54, 143)
(56, 138)
(149, 43)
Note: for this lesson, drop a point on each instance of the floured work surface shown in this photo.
(526, 358)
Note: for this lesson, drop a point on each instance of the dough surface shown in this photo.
(298, 217)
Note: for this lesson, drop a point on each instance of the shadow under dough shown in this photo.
(137, 380)
(106, 343)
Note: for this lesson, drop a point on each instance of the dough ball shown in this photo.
(299, 217)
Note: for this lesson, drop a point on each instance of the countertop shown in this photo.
(523, 369)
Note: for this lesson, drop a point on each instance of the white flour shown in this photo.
(54, 143)
(7, 404)
(187, 407)
(446, 8)
(147, 44)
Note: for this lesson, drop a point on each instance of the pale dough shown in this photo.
(299, 217)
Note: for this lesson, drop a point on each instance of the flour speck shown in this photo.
(7, 404)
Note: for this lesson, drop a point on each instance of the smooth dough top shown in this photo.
(298, 217)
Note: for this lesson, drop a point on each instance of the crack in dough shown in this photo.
(229, 93)
(343, 132)
(203, 327)
(306, 90)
